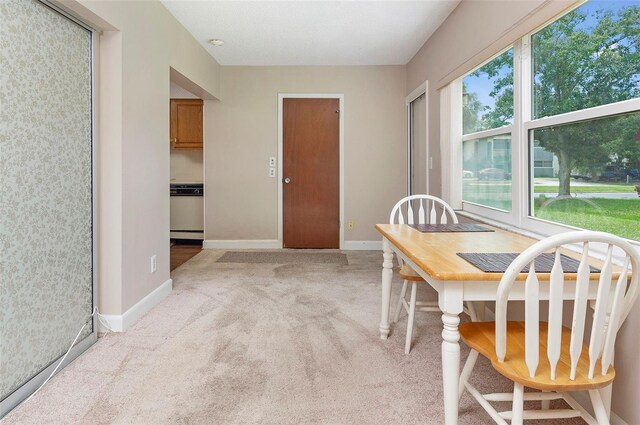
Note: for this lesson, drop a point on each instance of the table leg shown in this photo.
(387, 275)
(450, 366)
(450, 302)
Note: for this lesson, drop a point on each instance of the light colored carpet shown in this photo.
(261, 344)
(283, 257)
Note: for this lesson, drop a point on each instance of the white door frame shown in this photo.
(419, 91)
(281, 97)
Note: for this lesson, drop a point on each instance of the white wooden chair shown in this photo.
(546, 355)
(417, 209)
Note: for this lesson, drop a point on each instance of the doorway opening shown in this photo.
(186, 164)
(417, 142)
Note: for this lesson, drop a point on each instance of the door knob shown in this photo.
(287, 180)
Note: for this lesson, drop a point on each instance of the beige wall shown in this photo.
(143, 42)
(475, 31)
(186, 165)
(241, 200)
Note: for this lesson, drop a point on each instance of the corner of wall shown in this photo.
(109, 171)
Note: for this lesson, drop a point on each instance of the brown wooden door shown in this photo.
(311, 161)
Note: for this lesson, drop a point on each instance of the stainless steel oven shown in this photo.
(187, 211)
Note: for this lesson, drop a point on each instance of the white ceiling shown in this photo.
(306, 32)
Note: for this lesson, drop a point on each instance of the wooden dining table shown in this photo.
(433, 256)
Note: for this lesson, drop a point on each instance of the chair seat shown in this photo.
(481, 337)
(407, 273)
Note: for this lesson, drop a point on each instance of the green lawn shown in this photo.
(618, 216)
(588, 189)
(492, 193)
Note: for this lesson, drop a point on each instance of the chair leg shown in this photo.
(466, 371)
(598, 407)
(545, 404)
(480, 310)
(412, 312)
(402, 295)
(517, 408)
(470, 309)
(605, 395)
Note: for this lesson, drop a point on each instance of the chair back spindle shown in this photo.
(554, 326)
(617, 316)
(421, 214)
(532, 312)
(428, 209)
(600, 312)
(613, 300)
(579, 310)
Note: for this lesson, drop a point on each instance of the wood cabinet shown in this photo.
(185, 130)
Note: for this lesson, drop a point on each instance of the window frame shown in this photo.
(519, 218)
(492, 213)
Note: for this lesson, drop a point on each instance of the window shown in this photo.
(592, 186)
(487, 95)
(587, 58)
(559, 145)
(486, 157)
(542, 163)
(487, 171)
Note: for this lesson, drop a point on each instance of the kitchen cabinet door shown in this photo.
(186, 123)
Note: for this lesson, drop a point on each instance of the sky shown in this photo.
(483, 86)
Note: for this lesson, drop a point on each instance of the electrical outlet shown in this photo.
(154, 263)
(350, 225)
(272, 172)
(272, 161)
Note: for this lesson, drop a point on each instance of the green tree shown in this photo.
(582, 60)
(477, 116)
(471, 112)
(502, 68)
(578, 66)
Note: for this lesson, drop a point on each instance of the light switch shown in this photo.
(272, 172)
(272, 161)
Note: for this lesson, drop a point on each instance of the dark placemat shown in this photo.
(497, 262)
(461, 227)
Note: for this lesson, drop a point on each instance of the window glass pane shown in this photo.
(486, 175)
(593, 179)
(587, 58)
(487, 95)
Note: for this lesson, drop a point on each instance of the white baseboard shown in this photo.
(241, 244)
(187, 235)
(120, 323)
(362, 245)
